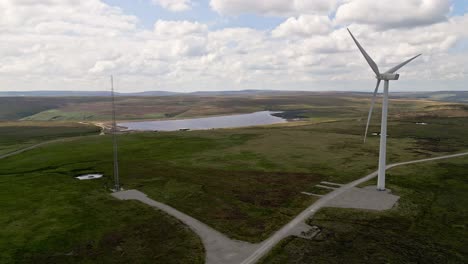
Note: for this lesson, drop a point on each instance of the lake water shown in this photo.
(241, 120)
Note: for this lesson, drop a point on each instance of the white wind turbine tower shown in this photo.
(387, 76)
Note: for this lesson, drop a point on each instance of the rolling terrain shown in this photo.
(244, 182)
(17, 135)
(303, 105)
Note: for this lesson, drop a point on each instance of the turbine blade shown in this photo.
(396, 68)
(369, 60)
(371, 109)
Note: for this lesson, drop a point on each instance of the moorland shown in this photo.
(244, 182)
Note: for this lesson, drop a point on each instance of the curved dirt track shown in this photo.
(218, 247)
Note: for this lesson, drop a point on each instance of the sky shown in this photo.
(207, 45)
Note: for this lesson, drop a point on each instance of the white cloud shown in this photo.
(56, 37)
(305, 25)
(393, 14)
(174, 5)
(179, 28)
(71, 44)
(273, 7)
(103, 66)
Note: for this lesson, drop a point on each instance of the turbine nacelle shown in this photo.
(388, 76)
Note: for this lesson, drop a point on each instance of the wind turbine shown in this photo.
(387, 76)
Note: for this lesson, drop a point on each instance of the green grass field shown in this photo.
(49, 217)
(429, 224)
(17, 135)
(244, 182)
(15, 108)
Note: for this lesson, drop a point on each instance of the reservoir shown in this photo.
(229, 121)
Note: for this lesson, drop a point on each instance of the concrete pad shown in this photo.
(305, 231)
(300, 229)
(325, 187)
(331, 183)
(312, 194)
(364, 198)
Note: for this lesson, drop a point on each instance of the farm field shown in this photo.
(244, 182)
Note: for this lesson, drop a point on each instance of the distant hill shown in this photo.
(147, 93)
(244, 92)
(52, 93)
(150, 93)
(79, 93)
(445, 96)
(165, 93)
